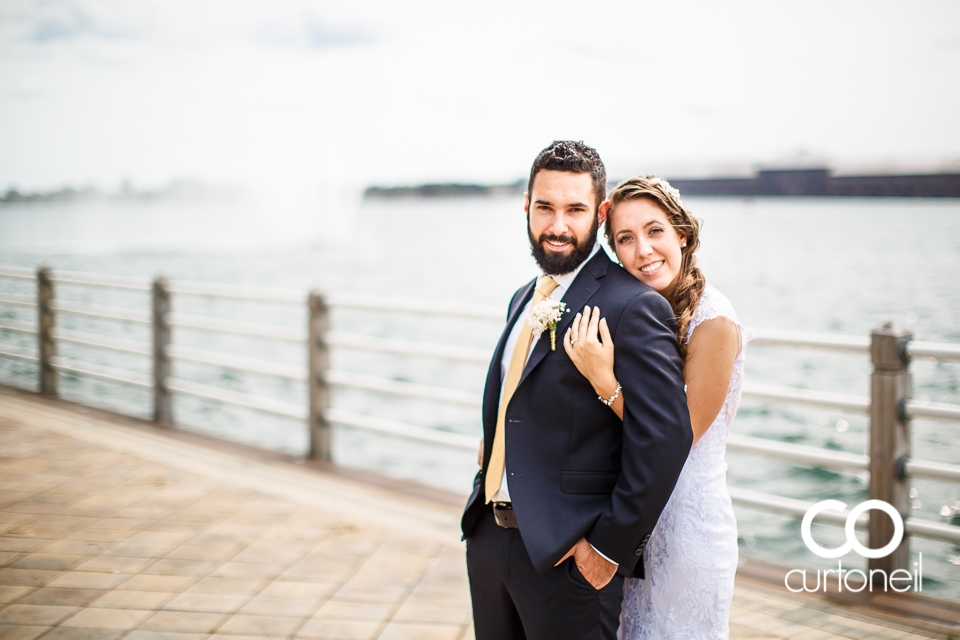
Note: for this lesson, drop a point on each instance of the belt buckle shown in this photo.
(504, 516)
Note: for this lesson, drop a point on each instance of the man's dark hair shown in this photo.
(576, 157)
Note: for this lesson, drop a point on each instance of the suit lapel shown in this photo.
(583, 287)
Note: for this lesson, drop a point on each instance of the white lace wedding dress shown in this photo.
(691, 557)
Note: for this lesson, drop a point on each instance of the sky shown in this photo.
(292, 93)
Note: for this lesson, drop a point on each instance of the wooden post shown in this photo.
(162, 404)
(46, 321)
(319, 363)
(890, 386)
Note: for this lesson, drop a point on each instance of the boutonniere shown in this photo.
(546, 315)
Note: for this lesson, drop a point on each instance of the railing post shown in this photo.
(46, 320)
(319, 363)
(162, 403)
(890, 385)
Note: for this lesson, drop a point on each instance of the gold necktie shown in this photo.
(545, 286)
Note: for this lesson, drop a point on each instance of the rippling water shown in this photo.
(843, 266)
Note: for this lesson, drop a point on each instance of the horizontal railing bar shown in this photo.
(18, 301)
(18, 327)
(84, 339)
(794, 395)
(111, 374)
(101, 312)
(402, 430)
(406, 389)
(939, 350)
(103, 281)
(936, 410)
(225, 396)
(406, 347)
(836, 342)
(17, 273)
(237, 292)
(932, 470)
(248, 329)
(237, 363)
(799, 453)
(22, 356)
(788, 506)
(421, 307)
(932, 530)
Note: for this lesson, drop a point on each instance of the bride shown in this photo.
(691, 558)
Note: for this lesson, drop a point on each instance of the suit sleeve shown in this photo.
(656, 429)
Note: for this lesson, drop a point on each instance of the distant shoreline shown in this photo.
(817, 182)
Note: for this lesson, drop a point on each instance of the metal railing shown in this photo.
(888, 406)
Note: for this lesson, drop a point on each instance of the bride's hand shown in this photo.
(592, 355)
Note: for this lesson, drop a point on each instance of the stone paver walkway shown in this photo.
(111, 530)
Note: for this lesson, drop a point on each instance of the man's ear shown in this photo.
(603, 211)
(526, 203)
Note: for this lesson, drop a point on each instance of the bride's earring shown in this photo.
(683, 245)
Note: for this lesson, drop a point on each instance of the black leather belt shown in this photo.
(503, 514)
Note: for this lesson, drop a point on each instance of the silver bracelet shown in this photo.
(613, 398)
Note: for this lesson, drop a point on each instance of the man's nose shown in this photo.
(558, 225)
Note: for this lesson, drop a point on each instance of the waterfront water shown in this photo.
(831, 265)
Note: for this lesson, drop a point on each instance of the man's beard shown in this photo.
(556, 264)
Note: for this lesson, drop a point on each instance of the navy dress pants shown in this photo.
(511, 601)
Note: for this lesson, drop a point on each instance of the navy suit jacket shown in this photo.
(575, 469)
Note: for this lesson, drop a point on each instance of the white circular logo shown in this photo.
(852, 543)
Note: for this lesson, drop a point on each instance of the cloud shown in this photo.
(306, 30)
(50, 21)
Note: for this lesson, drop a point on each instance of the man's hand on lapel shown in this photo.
(597, 570)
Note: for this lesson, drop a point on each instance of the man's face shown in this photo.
(562, 219)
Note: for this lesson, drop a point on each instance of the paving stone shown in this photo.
(26, 577)
(263, 605)
(51, 561)
(96, 618)
(21, 632)
(157, 583)
(118, 599)
(34, 614)
(207, 602)
(71, 633)
(339, 609)
(60, 596)
(419, 631)
(340, 629)
(183, 622)
(267, 626)
(10, 593)
(88, 580)
(102, 564)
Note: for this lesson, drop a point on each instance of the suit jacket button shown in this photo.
(639, 550)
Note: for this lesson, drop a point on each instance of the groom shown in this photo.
(567, 494)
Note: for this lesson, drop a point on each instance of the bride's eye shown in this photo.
(624, 239)
(656, 230)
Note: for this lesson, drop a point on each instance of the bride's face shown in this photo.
(647, 244)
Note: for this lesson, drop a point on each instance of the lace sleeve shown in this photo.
(714, 304)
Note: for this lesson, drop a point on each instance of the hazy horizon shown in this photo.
(306, 96)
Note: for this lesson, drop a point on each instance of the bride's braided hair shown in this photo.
(685, 295)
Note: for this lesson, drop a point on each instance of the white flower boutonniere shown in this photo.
(546, 315)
